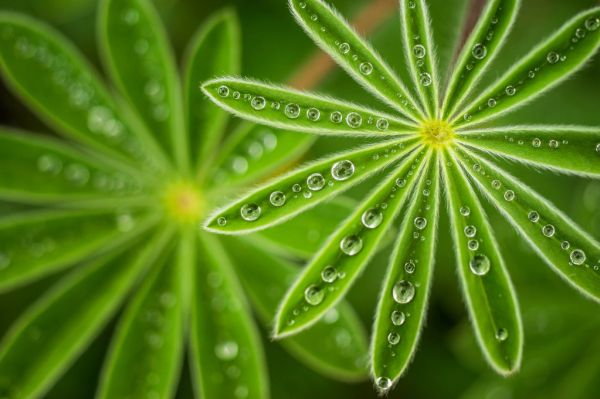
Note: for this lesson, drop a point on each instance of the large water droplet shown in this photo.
(548, 230)
(336, 117)
(250, 212)
(552, 57)
(342, 170)
(313, 114)
(383, 124)
(479, 51)
(351, 245)
(393, 338)
(533, 216)
(510, 90)
(366, 68)
(315, 182)
(470, 231)
(501, 334)
(314, 295)
(329, 274)
(425, 79)
(403, 292)
(292, 111)
(372, 218)
(398, 318)
(221, 221)
(419, 51)
(420, 223)
(354, 120)
(577, 257)
(223, 91)
(509, 195)
(227, 350)
(258, 103)
(480, 265)
(383, 383)
(344, 48)
(277, 198)
(592, 24)
(465, 210)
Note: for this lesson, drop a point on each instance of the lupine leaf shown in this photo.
(336, 37)
(572, 253)
(543, 68)
(287, 108)
(346, 251)
(227, 358)
(567, 149)
(146, 352)
(304, 188)
(488, 291)
(47, 339)
(336, 346)
(40, 170)
(403, 302)
(214, 51)
(420, 52)
(35, 244)
(54, 79)
(482, 46)
(252, 152)
(138, 57)
(302, 236)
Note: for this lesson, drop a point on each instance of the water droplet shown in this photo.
(131, 16)
(398, 318)
(420, 223)
(470, 231)
(496, 184)
(315, 182)
(383, 124)
(77, 174)
(425, 79)
(592, 24)
(236, 95)
(344, 48)
(354, 120)
(501, 334)
(351, 245)
(241, 392)
(479, 51)
(342, 170)
(403, 292)
(473, 245)
(366, 68)
(258, 103)
(465, 210)
(221, 221)
(223, 91)
(4, 261)
(384, 383)
(491, 103)
(336, 117)
(553, 57)
(49, 164)
(250, 212)
(227, 350)
(533, 216)
(296, 188)
(125, 222)
(553, 144)
(372, 218)
(536, 142)
(313, 114)
(329, 274)
(531, 74)
(480, 265)
(400, 182)
(577, 257)
(598, 148)
(409, 266)
(307, 194)
(510, 90)
(565, 245)
(302, 5)
(292, 111)
(314, 295)
(277, 198)
(314, 18)
(411, 4)
(419, 51)
(548, 230)
(393, 338)
(509, 195)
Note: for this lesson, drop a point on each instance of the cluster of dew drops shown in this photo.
(479, 52)
(420, 53)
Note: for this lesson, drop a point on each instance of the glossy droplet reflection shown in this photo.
(342, 170)
(398, 318)
(315, 182)
(250, 212)
(314, 295)
(372, 218)
(403, 292)
(480, 265)
(351, 245)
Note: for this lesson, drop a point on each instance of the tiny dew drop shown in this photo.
(223, 91)
(419, 51)
(383, 383)
(502, 334)
(354, 120)
(473, 245)
(577, 257)
(592, 24)
(342, 170)
(491, 103)
(598, 148)
(425, 79)
(536, 142)
(258, 103)
(277, 198)
(393, 338)
(351, 245)
(250, 212)
(510, 90)
(479, 51)
(565, 245)
(383, 124)
(221, 221)
(552, 57)
(496, 184)
(344, 48)
(313, 114)
(314, 295)
(398, 318)
(533, 216)
(227, 350)
(470, 231)
(292, 111)
(553, 144)
(400, 182)
(315, 182)
(509, 195)
(329, 274)
(336, 117)
(296, 188)
(480, 265)
(371, 218)
(420, 223)
(548, 230)
(465, 210)
(403, 292)
(409, 266)
(366, 68)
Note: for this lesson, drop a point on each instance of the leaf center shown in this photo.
(184, 202)
(437, 133)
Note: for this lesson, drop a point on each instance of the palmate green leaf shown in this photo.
(420, 52)
(41, 170)
(214, 51)
(46, 340)
(488, 291)
(336, 346)
(541, 69)
(137, 55)
(346, 252)
(37, 243)
(482, 46)
(403, 300)
(287, 108)
(146, 352)
(304, 188)
(303, 235)
(54, 79)
(336, 37)
(252, 152)
(227, 358)
(567, 149)
(572, 253)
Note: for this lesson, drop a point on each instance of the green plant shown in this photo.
(433, 142)
(123, 198)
